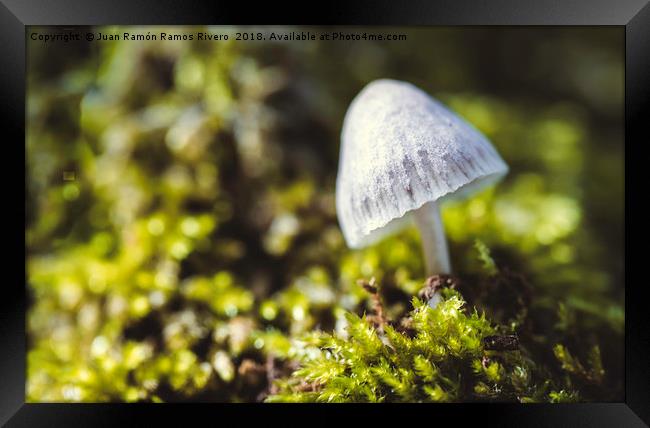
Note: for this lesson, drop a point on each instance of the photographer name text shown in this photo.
(288, 36)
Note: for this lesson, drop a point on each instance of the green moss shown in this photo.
(391, 366)
(449, 353)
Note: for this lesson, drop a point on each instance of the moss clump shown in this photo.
(384, 364)
(446, 354)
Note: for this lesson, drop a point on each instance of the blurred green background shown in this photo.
(181, 225)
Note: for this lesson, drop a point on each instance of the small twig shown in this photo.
(370, 286)
(435, 283)
(379, 318)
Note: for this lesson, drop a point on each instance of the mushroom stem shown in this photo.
(436, 255)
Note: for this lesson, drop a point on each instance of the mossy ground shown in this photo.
(449, 353)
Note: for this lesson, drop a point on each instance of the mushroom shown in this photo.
(402, 154)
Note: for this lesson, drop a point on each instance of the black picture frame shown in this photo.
(15, 15)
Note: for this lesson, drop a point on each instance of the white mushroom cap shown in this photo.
(400, 149)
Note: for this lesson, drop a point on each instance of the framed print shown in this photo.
(426, 204)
